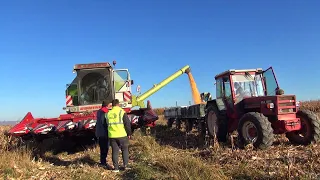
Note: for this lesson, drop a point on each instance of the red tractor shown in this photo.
(251, 102)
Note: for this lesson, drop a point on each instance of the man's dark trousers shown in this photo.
(123, 143)
(104, 147)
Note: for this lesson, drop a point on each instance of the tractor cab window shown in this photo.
(270, 82)
(219, 88)
(227, 90)
(72, 90)
(120, 79)
(247, 85)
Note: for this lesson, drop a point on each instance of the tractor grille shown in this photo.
(286, 104)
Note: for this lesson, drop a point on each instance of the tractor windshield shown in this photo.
(247, 86)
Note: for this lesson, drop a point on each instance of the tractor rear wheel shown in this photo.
(310, 129)
(255, 128)
(216, 124)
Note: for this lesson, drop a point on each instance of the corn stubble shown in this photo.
(167, 154)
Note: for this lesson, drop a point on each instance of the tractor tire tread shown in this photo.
(315, 123)
(222, 123)
(266, 129)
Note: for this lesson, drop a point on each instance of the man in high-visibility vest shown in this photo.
(119, 132)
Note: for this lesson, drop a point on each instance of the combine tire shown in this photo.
(255, 128)
(216, 125)
(310, 129)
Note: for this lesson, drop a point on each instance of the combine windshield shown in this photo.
(247, 86)
(95, 86)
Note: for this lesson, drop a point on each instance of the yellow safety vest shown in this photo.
(115, 124)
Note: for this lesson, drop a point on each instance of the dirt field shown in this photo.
(167, 154)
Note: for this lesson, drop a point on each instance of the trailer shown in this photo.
(191, 116)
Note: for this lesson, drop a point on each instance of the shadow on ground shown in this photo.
(176, 138)
(59, 162)
(64, 145)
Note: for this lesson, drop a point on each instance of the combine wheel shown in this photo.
(217, 125)
(310, 129)
(255, 128)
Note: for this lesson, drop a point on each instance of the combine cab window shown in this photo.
(72, 90)
(95, 88)
(120, 78)
(270, 82)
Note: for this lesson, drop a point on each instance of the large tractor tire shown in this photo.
(216, 124)
(310, 129)
(255, 128)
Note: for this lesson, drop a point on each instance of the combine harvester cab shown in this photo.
(93, 84)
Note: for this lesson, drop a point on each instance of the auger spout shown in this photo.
(157, 87)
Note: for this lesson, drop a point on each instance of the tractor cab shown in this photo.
(95, 83)
(235, 85)
(252, 90)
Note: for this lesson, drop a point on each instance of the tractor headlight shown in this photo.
(270, 105)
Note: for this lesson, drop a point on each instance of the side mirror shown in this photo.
(132, 82)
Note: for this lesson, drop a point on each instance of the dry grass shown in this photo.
(167, 154)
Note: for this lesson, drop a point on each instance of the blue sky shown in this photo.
(40, 41)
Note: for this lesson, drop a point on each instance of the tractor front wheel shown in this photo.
(255, 128)
(310, 129)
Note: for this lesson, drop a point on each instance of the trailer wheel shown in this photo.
(310, 129)
(255, 128)
(189, 125)
(217, 125)
(178, 124)
(201, 133)
(170, 122)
